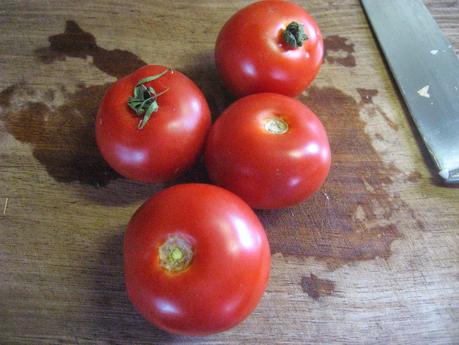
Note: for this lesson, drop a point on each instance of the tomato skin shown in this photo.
(228, 273)
(268, 170)
(251, 56)
(171, 140)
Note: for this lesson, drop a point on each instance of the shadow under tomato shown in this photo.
(203, 72)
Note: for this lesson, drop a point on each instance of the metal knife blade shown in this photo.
(426, 69)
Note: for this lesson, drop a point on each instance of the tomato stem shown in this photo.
(276, 125)
(294, 35)
(144, 102)
(175, 254)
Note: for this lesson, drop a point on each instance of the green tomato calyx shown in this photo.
(144, 102)
(294, 35)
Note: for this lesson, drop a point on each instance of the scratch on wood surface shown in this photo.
(6, 206)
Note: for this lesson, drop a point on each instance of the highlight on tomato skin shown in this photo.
(196, 259)
(152, 124)
(269, 46)
(269, 149)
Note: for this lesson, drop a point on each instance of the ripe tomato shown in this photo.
(260, 50)
(169, 141)
(196, 259)
(269, 149)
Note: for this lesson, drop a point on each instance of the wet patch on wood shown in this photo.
(63, 137)
(6, 95)
(351, 219)
(75, 42)
(316, 288)
(414, 176)
(366, 95)
(354, 217)
(338, 50)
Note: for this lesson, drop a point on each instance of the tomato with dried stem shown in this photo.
(196, 259)
(269, 149)
(269, 46)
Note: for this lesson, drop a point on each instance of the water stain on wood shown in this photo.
(379, 136)
(6, 95)
(63, 137)
(414, 176)
(337, 227)
(354, 220)
(339, 50)
(366, 99)
(50, 95)
(75, 42)
(366, 95)
(315, 287)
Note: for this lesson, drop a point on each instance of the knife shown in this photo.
(426, 70)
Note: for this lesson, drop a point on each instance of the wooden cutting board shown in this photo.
(373, 258)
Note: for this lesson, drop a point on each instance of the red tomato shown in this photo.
(269, 149)
(253, 54)
(172, 138)
(196, 259)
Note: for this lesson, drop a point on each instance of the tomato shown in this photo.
(262, 49)
(166, 144)
(196, 259)
(269, 149)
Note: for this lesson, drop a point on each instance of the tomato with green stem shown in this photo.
(269, 46)
(152, 124)
(196, 259)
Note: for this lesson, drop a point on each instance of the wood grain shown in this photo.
(373, 258)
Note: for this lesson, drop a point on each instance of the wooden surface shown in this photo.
(373, 258)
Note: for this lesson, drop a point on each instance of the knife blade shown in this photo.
(426, 70)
